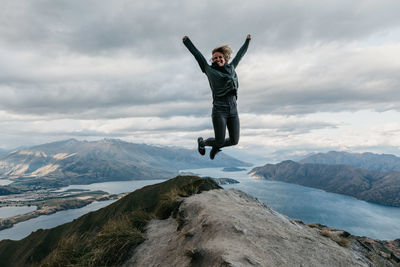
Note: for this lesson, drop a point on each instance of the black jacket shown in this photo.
(221, 82)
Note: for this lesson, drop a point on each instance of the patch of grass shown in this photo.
(68, 252)
(316, 225)
(343, 242)
(112, 245)
(337, 237)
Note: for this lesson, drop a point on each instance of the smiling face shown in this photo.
(218, 58)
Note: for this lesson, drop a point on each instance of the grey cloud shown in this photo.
(319, 101)
(171, 128)
(340, 80)
(155, 27)
(254, 124)
(107, 96)
(101, 101)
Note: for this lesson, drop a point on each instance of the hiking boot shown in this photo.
(214, 152)
(200, 146)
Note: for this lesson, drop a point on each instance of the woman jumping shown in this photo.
(224, 85)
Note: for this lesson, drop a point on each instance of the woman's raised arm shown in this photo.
(195, 52)
(241, 51)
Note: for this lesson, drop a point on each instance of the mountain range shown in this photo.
(367, 160)
(372, 186)
(191, 221)
(82, 162)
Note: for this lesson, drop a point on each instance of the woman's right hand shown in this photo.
(184, 38)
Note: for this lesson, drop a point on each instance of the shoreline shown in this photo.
(54, 205)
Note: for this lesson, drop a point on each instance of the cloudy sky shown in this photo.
(318, 75)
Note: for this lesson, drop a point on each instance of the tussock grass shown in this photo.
(68, 252)
(336, 236)
(110, 246)
(108, 236)
(114, 242)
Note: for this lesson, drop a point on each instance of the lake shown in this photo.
(5, 182)
(307, 204)
(11, 211)
(114, 187)
(23, 229)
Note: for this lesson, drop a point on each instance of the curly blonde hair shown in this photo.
(225, 50)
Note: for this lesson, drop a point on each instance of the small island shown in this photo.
(224, 181)
(233, 169)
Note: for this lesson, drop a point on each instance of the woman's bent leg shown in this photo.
(219, 123)
(233, 125)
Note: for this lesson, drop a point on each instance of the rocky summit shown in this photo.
(231, 228)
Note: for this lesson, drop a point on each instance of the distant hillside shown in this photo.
(183, 222)
(3, 151)
(367, 160)
(373, 186)
(76, 162)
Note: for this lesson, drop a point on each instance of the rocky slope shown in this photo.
(230, 228)
(75, 162)
(367, 160)
(186, 222)
(373, 186)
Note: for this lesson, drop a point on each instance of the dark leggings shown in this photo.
(224, 115)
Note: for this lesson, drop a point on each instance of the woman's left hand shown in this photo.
(248, 37)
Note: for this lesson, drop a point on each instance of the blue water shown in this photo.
(6, 212)
(317, 206)
(5, 182)
(23, 229)
(114, 187)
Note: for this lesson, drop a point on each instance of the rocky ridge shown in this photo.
(231, 228)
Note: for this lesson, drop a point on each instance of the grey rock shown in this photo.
(270, 239)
